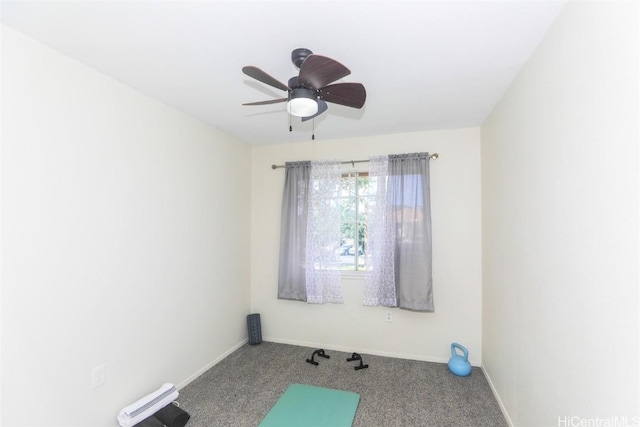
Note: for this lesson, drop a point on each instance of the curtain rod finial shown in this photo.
(274, 166)
(434, 156)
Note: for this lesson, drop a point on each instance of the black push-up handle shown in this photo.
(319, 353)
(355, 357)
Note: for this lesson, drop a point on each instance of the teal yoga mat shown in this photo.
(310, 406)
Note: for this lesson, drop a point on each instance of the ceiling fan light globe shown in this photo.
(302, 102)
(302, 107)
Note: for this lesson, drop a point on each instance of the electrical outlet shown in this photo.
(388, 317)
(97, 376)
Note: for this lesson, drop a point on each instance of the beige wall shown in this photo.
(455, 195)
(125, 241)
(560, 225)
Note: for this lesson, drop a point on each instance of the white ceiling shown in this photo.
(425, 64)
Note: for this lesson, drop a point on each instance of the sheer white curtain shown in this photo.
(323, 234)
(310, 233)
(399, 273)
(380, 281)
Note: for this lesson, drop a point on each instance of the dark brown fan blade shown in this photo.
(260, 75)
(349, 94)
(322, 107)
(271, 101)
(318, 71)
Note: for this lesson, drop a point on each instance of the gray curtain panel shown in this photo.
(293, 231)
(408, 191)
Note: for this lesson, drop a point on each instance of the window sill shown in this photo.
(352, 275)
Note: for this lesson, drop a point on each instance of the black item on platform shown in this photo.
(255, 331)
(172, 416)
(152, 421)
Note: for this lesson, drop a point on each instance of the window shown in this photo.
(324, 230)
(355, 199)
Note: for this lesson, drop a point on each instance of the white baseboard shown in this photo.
(498, 399)
(325, 346)
(211, 364)
(362, 350)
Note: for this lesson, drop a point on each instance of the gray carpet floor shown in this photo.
(242, 388)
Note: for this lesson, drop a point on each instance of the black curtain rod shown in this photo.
(353, 162)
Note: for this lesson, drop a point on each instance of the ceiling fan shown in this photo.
(309, 91)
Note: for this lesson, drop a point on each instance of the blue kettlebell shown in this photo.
(459, 365)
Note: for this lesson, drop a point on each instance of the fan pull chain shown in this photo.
(313, 129)
(290, 128)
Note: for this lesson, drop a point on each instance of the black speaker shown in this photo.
(255, 331)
